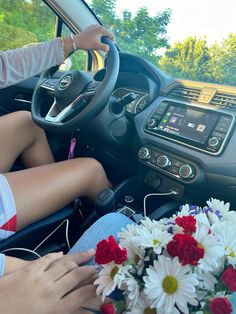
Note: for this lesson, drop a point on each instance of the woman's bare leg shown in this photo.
(20, 136)
(43, 190)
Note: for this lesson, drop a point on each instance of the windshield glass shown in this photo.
(192, 39)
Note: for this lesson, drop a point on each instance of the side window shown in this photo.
(79, 58)
(24, 22)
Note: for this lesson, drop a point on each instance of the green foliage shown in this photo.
(12, 37)
(29, 16)
(193, 59)
(140, 34)
(28, 21)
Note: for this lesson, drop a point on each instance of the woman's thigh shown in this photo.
(43, 190)
(15, 136)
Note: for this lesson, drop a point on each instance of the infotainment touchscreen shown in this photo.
(188, 123)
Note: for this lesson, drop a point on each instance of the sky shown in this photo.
(215, 18)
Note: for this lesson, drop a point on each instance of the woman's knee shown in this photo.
(94, 175)
(25, 120)
(26, 123)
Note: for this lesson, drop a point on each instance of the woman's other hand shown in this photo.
(45, 286)
(90, 38)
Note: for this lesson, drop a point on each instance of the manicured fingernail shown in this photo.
(91, 251)
(98, 267)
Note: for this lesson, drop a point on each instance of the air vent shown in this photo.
(224, 101)
(184, 93)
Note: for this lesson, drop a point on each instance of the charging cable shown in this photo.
(21, 249)
(66, 221)
(154, 194)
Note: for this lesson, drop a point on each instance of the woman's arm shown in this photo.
(19, 64)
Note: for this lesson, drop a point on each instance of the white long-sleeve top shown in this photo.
(21, 63)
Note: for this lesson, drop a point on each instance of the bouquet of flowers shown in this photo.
(183, 264)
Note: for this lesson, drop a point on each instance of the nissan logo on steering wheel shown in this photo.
(65, 81)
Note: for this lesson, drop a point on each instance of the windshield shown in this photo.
(192, 39)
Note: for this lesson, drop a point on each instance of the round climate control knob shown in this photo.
(186, 172)
(151, 123)
(213, 141)
(163, 161)
(144, 153)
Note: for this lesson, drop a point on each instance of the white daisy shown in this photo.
(206, 280)
(155, 239)
(154, 224)
(131, 292)
(220, 209)
(202, 218)
(217, 205)
(111, 277)
(226, 231)
(136, 254)
(213, 249)
(169, 283)
(128, 233)
(184, 211)
(144, 306)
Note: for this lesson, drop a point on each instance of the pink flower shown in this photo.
(220, 305)
(108, 308)
(229, 278)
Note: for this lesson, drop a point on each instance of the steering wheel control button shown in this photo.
(49, 84)
(144, 153)
(213, 142)
(163, 161)
(186, 172)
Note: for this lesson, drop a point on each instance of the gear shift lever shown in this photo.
(104, 202)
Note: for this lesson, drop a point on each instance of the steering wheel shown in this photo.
(77, 96)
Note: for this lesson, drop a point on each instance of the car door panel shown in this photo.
(17, 97)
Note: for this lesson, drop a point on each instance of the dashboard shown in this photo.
(138, 104)
(184, 131)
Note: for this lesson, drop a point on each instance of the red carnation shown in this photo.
(120, 255)
(108, 308)
(229, 278)
(103, 253)
(188, 223)
(108, 250)
(186, 248)
(220, 305)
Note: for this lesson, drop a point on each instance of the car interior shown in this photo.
(154, 134)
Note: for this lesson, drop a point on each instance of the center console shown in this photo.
(199, 128)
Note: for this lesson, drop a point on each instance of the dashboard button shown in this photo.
(213, 142)
(186, 172)
(221, 128)
(144, 153)
(163, 161)
(151, 123)
(173, 170)
(157, 116)
(226, 120)
(177, 163)
(219, 135)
